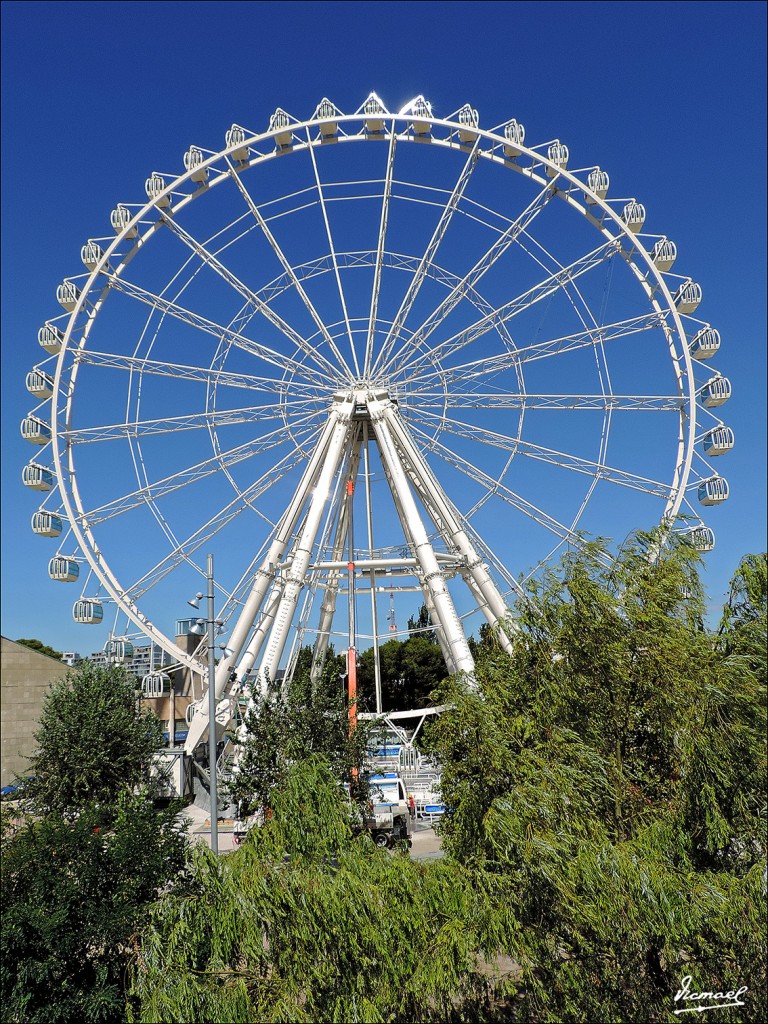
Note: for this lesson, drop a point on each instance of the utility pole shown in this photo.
(351, 650)
(213, 788)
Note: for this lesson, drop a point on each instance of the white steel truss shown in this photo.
(351, 312)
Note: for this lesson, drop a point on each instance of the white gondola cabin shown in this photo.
(67, 295)
(514, 133)
(664, 254)
(91, 254)
(715, 392)
(35, 430)
(597, 183)
(119, 649)
(705, 343)
(39, 384)
(718, 441)
(558, 155)
(87, 612)
(155, 684)
(63, 570)
(120, 218)
(326, 114)
(154, 186)
(51, 339)
(468, 119)
(688, 296)
(702, 538)
(713, 491)
(634, 216)
(280, 123)
(373, 108)
(421, 109)
(47, 524)
(236, 136)
(38, 478)
(194, 159)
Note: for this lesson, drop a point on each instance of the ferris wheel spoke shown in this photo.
(512, 308)
(468, 282)
(289, 270)
(479, 368)
(550, 455)
(223, 517)
(250, 296)
(378, 266)
(418, 278)
(268, 355)
(332, 250)
(497, 487)
(208, 375)
(517, 400)
(173, 424)
(183, 478)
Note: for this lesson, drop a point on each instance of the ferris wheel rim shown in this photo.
(683, 467)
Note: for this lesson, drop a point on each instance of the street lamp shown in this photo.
(213, 626)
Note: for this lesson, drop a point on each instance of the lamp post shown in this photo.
(212, 626)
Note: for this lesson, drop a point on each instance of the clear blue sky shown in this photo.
(670, 98)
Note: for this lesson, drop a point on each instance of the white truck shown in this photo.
(388, 817)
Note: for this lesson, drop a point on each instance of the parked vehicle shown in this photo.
(388, 816)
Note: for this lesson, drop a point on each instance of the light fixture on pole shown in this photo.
(198, 629)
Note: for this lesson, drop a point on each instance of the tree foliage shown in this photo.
(307, 922)
(410, 669)
(80, 872)
(611, 773)
(92, 741)
(288, 723)
(40, 647)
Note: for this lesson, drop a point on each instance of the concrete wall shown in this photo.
(25, 677)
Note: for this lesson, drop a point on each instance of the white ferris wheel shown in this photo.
(356, 355)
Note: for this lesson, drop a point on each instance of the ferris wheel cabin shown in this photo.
(598, 182)
(39, 384)
(193, 161)
(38, 478)
(664, 254)
(87, 612)
(718, 441)
(705, 343)
(91, 254)
(35, 430)
(634, 216)
(67, 295)
(688, 296)
(46, 524)
(703, 539)
(558, 154)
(63, 570)
(51, 339)
(716, 392)
(514, 133)
(713, 491)
(155, 684)
(154, 186)
(119, 649)
(280, 123)
(236, 137)
(373, 108)
(120, 218)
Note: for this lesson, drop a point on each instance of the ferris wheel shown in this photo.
(357, 355)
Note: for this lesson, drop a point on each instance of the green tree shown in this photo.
(40, 647)
(92, 743)
(290, 723)
(93, 854)
(309, 923)
(610, 775)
